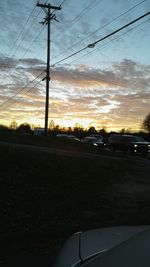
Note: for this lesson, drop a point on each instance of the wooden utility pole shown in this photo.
(49, 16)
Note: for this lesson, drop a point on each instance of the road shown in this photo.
(44, 259)
(70, 153)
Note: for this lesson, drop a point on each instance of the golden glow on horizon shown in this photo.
(81, 122)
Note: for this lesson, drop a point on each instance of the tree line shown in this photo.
(78, 130)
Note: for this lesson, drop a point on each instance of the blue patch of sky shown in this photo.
(72, 29)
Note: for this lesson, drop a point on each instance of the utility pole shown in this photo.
(49, 16)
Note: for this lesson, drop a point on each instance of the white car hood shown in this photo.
(85, 245)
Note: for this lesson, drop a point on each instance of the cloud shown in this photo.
(118, 96)
(126, 74)
(83, 78)
(16, 74)
(7, 63)
(122, 93)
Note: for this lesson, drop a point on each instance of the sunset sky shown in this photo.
(108, 85)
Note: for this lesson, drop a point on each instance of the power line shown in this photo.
(110, 22)
(34, 40)
(77, 52)
(9, 65)
(102, 27)
(27, 32)
(89, 7)
(92, 45)
(103, 46)
(13, 45)
(15, 101)
(118, 30)
(20, 33)
(110, 41)
(83, 12)
(62, 2)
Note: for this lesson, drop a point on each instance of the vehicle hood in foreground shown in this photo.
(84, 248)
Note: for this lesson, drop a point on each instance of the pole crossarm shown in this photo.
(48, 6)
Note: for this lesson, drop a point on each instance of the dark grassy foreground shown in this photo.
(45, 198)
(48, 141)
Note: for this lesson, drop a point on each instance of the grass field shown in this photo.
(50, 197)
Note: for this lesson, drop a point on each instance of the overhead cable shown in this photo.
(34, 40)
(16, 100)
(83, 12)
(110, 41)
(86, 9)
(92, 45)
(27, 32)
(62, 2)
(13, 45)
(102, 27)
(118, 30)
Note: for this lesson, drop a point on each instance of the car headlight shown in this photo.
(95, 144)
(135, 145)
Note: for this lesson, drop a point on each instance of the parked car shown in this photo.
(61, 135)
(72, 137)
(107, 247)
(98, 136)
(93, 141)
(128, 143)
(68, 136)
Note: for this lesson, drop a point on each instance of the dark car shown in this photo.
(98, 136)
(72, 137)
(68, 136)
(128, 143)
(93, 141)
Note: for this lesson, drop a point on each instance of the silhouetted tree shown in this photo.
(103, 132)
(92, 130)
(69, 130)
(55, 130)
(3, 128)
(129, 130)
(13, 125)
(79, 131)
(57, 127)
(24, 128)
(51, 125)
(123, 131)
(146, 123)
